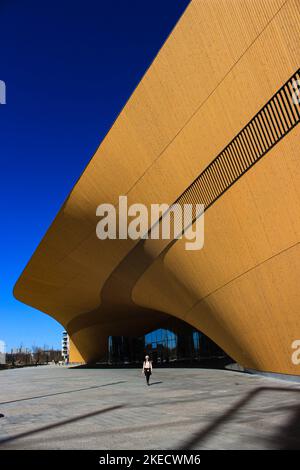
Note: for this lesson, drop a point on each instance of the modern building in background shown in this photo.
(2, 352)
(65, 346)
(213, 121)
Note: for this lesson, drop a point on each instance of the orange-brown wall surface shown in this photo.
(223, 61)
(74, 355)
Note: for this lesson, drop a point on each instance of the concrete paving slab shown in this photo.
(54, 407)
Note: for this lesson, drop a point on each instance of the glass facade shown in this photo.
(176, 342)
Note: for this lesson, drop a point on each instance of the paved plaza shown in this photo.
(53, 407)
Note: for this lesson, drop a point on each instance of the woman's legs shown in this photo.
(147, 374)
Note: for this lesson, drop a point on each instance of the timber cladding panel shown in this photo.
(212, 122)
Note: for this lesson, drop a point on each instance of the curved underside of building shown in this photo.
(213, 121)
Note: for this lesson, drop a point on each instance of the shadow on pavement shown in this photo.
(62, 393)
(204, 363)
(287, 437)
(283, 439)
(59, 424)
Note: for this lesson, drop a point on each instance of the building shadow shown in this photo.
(204, 363)
(63, 393)
(288, 437)
(65, 422)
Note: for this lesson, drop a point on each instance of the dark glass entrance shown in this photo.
(177, 343)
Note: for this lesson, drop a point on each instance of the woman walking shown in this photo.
(147, 368)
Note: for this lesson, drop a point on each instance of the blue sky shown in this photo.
(69, 67)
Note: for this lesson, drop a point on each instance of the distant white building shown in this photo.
(2, 92)
(2, 352)
(65, 346)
